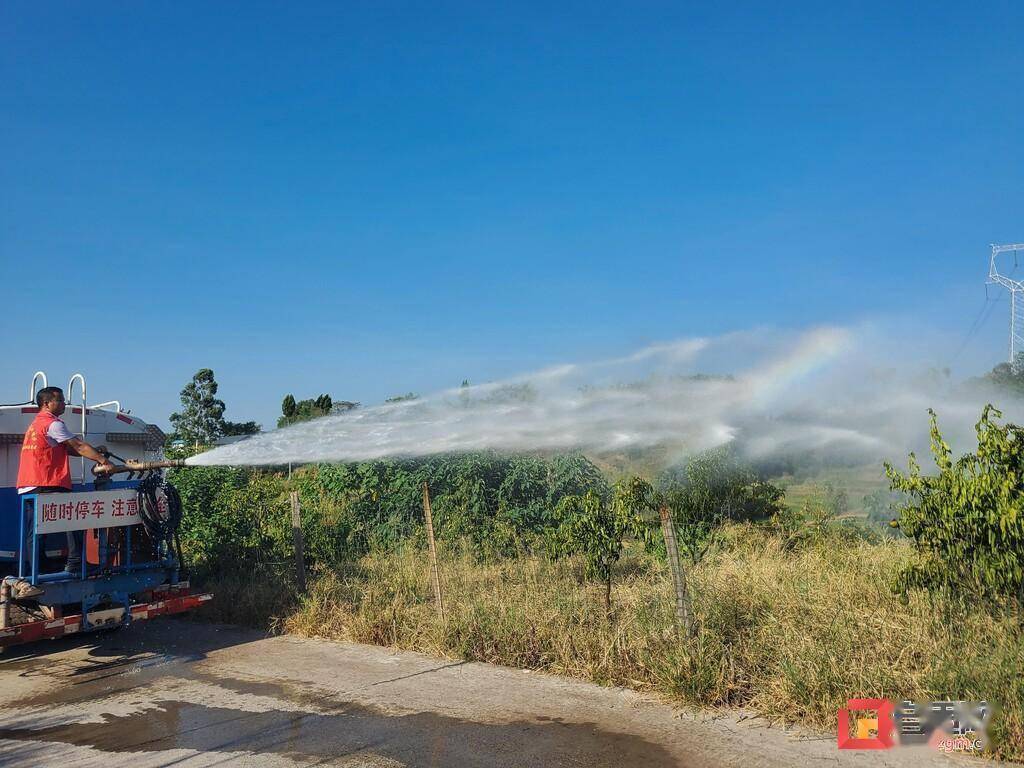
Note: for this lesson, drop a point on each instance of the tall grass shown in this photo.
(788, 629)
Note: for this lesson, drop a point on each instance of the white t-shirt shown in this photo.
(57, 433)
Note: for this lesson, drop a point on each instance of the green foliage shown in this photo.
(293, 412)
(402, 398)
(966, 522)
(1008, 377)
(232, 516)
(288, 407)
(712, 488)
(234, 428)
(497, 505)
(798, 528)
(589, 526)
(837, 501)
(201, 420)
(594, 525)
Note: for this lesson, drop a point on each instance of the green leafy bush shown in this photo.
(499, 505)
(232, 516)
(966, 522)
(496, 505)
(711, 489)
(594, 526)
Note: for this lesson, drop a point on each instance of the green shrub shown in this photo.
(501, 505)
(232, 516)
(967, 522)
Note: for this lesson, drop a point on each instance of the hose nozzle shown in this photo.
(130, 466)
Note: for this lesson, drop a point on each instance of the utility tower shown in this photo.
(1016, 289)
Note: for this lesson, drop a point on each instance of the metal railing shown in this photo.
(32, 388)
(85, 410)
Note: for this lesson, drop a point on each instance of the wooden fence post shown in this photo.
(429, 518)
(300, 560)
(668, 530)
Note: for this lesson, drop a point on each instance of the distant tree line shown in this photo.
(294, 411)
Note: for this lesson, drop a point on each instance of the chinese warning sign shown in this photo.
(77, 511)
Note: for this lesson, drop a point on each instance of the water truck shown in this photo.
(125, 522)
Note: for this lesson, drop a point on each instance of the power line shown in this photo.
(980, 320)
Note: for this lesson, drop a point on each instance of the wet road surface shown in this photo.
(173, 692)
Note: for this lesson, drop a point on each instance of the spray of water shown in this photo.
(824, 390)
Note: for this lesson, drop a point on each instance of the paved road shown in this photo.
(188, 694)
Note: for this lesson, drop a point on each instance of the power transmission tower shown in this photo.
(1016, 289)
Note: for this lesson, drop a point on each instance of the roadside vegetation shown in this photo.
(549, 564)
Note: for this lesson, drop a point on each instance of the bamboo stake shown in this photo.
(429, 518)
(300, 560)
(668, 530)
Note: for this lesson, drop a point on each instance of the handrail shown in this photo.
(85, 410)
(32, 387)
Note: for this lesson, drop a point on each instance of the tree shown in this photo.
(594, 526)
(294, 412)
(1004, 378)
(712, 488)
(234, 428)
(288, 406)
(836, 500)
(699, 497)
(201, 420)
(402, 398)
(967, 522)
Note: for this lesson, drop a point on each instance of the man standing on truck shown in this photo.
(44, 466)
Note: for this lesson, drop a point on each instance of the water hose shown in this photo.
(161, 525)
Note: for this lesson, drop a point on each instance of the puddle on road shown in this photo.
(78, 680)
(419, 739)
(89, 669)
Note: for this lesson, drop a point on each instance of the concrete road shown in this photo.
(172, 692)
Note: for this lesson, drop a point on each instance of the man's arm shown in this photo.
(78, 447)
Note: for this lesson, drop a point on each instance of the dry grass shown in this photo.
(252, 596)
(788, 633)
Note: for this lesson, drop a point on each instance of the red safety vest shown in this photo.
(42, 464)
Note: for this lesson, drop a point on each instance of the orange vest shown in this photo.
(42, 464)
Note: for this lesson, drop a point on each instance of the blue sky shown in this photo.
(367, 199)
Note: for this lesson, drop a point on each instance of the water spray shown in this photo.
(830, 389)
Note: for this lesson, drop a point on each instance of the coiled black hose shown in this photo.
(161, 526)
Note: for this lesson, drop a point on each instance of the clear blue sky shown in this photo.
(366, 199)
